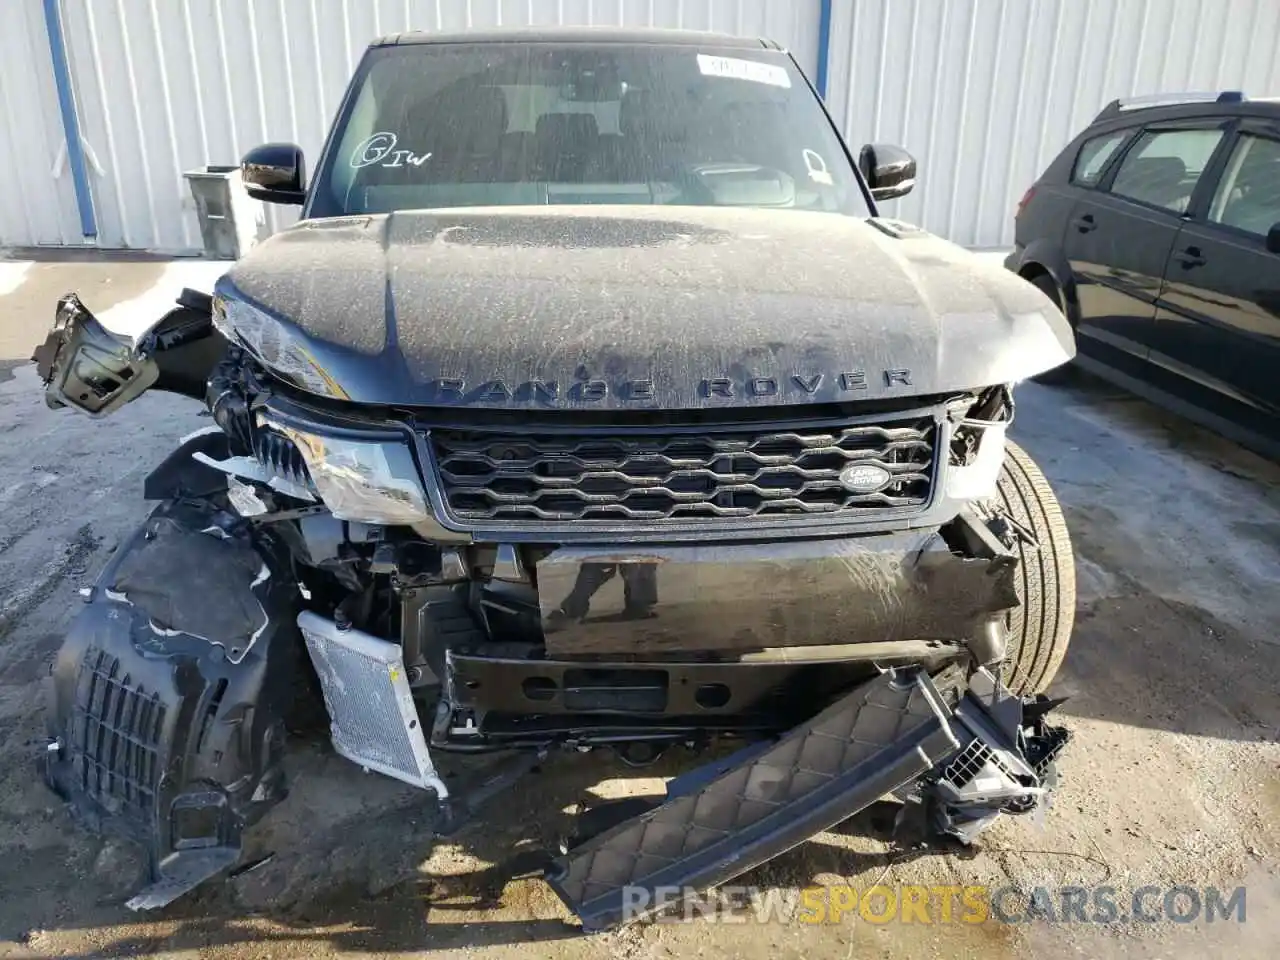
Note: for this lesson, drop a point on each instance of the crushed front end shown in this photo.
(828, 590)
(654, 580)
(846, 584)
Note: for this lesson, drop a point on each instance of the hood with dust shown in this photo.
(644, 307)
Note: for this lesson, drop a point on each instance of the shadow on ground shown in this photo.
(1177, 540)
(485, 886)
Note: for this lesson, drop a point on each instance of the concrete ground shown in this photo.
(1174, 777)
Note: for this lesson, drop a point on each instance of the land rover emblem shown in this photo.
(864, 477)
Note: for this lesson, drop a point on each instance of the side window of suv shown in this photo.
(1162, 168)
(1094, 156)
(1248, 196)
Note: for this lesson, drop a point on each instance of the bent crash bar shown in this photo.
(969, 763)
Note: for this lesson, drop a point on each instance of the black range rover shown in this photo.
(589, 404)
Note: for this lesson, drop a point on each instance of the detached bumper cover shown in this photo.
(168, 736)
(971, 763)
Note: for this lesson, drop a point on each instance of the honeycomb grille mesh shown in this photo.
(649, 475)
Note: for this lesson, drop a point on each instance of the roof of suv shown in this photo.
(583, 35)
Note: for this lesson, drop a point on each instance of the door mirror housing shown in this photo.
(889, 171)
(275, 173)
(1273, 239)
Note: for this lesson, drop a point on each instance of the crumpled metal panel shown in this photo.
(373, 720)
(880, 737)
(667, 598)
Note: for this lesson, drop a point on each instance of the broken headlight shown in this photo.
(977, 445)
(976, 480)
(274, 345)
(367, 481)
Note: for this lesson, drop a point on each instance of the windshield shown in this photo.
(497, 124)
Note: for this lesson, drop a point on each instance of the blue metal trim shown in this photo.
(824, 45)
(70, 122)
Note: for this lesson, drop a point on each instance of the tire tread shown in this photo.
(1040, 628)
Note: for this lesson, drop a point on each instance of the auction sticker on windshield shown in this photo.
(737, 69)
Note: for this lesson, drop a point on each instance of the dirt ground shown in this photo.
(1174, 776)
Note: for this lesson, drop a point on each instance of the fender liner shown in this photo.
(167, 738)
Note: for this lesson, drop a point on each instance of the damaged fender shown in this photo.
(167, 699)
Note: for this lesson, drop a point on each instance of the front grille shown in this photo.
(115, 736)
(652, 474)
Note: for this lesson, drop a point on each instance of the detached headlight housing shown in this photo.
(365, 481)
(274, 345)
(977, 446)
(976, 480)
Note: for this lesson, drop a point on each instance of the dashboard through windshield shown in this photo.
(505, 124)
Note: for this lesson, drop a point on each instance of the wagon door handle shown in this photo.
(1084, 224)
(1190, 257)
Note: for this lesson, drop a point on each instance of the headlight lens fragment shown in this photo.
(271, 342)
(361, 481)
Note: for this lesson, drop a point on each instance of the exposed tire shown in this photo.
(1040, 628)
(1046, 285)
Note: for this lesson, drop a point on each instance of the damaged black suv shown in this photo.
(590, 403)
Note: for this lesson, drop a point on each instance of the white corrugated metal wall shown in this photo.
(982, 91)
(167, 86)
(37, 199)
(986, 92)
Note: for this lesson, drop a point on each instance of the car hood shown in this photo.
(644, 307)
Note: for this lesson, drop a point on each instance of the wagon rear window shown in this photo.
(1094, 156)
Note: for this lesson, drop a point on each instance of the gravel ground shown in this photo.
(1174, 777)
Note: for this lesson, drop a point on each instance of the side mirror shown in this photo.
(1273, 239)
(889, 171)
(275, 173)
